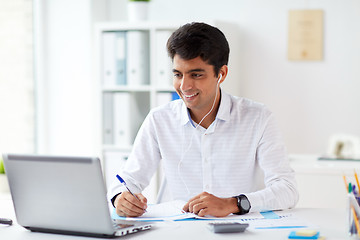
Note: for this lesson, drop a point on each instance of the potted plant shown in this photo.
(138, 10)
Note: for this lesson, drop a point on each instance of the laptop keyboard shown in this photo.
(124, 229)
(119, 226)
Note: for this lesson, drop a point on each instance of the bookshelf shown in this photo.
(134, 76)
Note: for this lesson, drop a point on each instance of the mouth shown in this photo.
(190, 96)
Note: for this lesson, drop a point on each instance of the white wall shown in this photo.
(66, 82)
(311, 100)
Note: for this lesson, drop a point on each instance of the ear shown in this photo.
(223, 73)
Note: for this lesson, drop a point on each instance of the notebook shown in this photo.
(62, 194)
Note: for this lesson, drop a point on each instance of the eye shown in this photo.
(196, 75)
(177, 75)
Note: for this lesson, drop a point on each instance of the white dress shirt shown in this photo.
(240, 149)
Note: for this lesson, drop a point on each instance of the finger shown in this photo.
(125, 205)
(141, 197)
(124, 212)
(196, 208)
(203, 212)
(134, 204)
(143, 201)
(130, 210)
(186, 207)
(137, 200)
(194, 203)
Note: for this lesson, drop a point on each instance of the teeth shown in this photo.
(188, 96)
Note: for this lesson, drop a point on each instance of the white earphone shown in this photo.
(183, 153)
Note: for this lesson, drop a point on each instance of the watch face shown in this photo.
(245, 204)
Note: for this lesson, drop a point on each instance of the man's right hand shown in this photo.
(128, 206)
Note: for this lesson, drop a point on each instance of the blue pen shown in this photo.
(124, 183)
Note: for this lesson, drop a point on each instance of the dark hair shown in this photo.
(200, 39)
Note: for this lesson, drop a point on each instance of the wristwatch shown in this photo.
(243, 204)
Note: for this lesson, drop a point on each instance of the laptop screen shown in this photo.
(55, 192)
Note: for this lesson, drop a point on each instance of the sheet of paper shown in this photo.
(173, 211)
(234, 217)
(284, 221)
(305, 35)
(161, 212)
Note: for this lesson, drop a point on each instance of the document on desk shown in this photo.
(173, 211)
(285, 220)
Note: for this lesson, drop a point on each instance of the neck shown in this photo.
(207, 121)
(206, 118)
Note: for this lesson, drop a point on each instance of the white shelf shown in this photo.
(135, 100)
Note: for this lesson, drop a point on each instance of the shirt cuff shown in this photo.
(255, 202)
(113, 199)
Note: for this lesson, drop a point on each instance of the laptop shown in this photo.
(63, 194)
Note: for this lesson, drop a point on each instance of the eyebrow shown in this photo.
(190, 71)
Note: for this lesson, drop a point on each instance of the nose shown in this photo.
(186, 83)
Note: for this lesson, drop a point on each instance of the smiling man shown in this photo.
(212, 145)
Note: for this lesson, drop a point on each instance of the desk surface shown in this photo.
(330, 222)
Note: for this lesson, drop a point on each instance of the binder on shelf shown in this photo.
(165, 97)
(122, 119)
(108, 56)
(163, 70)
(130, 110)
(114, 58)
(108, 124)
(120, 48)
(137, 58)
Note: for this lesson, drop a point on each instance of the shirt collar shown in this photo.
(185, 114)
(223, 112)
(225, 106)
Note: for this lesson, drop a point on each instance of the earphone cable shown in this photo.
(192, 136)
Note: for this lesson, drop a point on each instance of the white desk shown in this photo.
(331, 223)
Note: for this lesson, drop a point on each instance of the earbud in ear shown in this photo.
(220, 77)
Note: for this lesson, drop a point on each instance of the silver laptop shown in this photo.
(67, 195)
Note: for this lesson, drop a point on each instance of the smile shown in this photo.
(192, 95)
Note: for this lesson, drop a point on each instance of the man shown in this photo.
(211, 144)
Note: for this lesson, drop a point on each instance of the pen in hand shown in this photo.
(124, 183)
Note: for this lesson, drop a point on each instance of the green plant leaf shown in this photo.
(2, 168)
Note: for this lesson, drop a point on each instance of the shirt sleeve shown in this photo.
(280, 190)
(142, 163)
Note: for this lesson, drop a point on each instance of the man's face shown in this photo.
(195, 82)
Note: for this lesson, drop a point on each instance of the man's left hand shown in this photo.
(208, 204)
